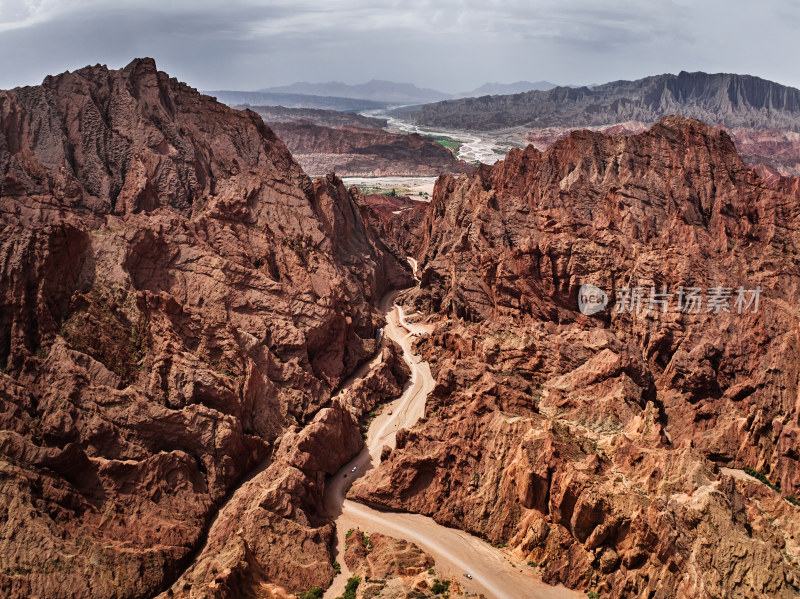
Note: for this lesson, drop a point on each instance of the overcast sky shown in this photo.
(448, 45)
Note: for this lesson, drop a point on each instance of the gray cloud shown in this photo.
(451, 44)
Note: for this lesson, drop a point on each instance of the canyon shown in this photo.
(222, 378)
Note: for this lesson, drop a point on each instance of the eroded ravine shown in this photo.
(455, 552)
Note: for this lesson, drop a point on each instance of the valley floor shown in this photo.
(412, 187)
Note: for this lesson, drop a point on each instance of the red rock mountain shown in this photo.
(178, 301)
(608, 449)
(771, 151)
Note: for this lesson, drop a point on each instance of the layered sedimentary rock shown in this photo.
(608, 448)
(365, 151)
(178, 301)
(775, 148)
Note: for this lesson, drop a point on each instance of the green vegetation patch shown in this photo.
(449, 143)
(351, 587)
(761, 477)
(368, 421)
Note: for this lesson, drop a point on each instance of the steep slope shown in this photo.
(397, 220)
(593, 445)
(178, 301)
(735, 101)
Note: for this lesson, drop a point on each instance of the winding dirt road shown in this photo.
(454, 551)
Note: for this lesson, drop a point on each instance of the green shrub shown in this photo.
(762, 477)
(351, 587)
(449, 143)
(312, 593)
(439, 586)
(337, 567)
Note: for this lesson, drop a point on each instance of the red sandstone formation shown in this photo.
(392, 568)
(398, 220)
(378, 556)
(593, 445)
(177, 303)
(774, 149)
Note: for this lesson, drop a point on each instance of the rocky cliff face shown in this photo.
(735, 101)
(362, 151)
(596, 446)
(178, 300)
(397, 220)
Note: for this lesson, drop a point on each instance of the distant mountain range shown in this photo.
(261, 98)
(496, 89)
(375, 90)
(335, 95)
(734, 101)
